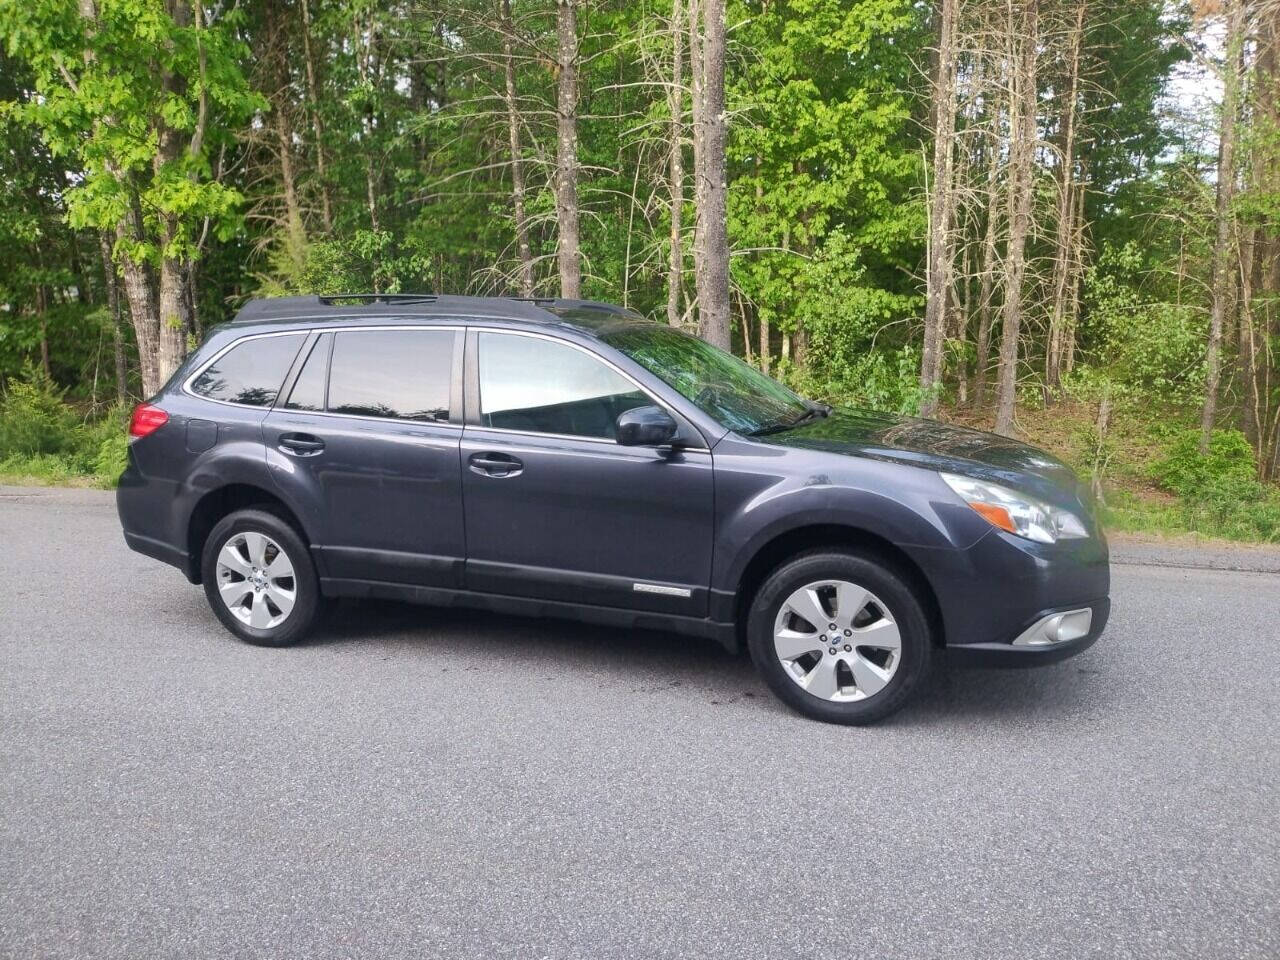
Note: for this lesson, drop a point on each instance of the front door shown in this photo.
(363, 440)
(554, 507)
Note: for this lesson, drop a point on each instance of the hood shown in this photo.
(934, 446)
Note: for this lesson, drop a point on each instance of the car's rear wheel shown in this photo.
(259, 578)
(840, 637)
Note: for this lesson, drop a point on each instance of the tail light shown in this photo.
(146, 420)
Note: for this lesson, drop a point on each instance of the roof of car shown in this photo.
(589, 315)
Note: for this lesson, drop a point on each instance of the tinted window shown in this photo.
(308, 389)
(250, 372)
(392, 373)
(736, 394)
(540, 386)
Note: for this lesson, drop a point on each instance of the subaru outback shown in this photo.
(569, 459)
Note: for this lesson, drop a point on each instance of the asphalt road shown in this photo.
(417, 783)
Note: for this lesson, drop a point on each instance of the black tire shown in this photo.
(887, 584)
(300, 619)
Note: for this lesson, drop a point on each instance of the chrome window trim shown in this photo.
(285, 411)
(657, 402)
(275, 404)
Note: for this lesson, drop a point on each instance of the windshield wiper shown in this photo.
(815, 411)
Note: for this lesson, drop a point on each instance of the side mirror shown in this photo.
(645, 427)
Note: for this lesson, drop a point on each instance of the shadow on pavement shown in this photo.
(950, 694)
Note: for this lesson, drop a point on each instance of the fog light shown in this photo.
(1057, 628)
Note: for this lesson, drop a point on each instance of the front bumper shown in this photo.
(1033, 655)
(992, 593)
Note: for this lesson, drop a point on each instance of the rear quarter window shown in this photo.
(251, 372)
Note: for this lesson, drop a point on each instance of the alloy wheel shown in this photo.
(837, 641)
(256, 580)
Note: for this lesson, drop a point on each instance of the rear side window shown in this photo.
(251, 372)
(308, 389)
(401, 374)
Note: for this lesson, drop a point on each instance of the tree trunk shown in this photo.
(675, 165)
(1076, 276)
(1260, 302)
(765, 357)
(366, 40)
(277, 50)
(317, 123)
(173, 319)
(1223, 254)
(42, 306)
(1064, 264)
(139, 291)
(939, 263)
(987, 265)
(1022, 156)
(113, 307)
(711, 237)
(517, 159)
(139, 287)
(963, 311)
(569, 252)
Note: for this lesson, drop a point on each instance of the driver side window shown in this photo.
(536, 385)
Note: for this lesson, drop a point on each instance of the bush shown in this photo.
(1220, 491)
(1228, 465)
(43, 439)
(33, 418)
(112, 455)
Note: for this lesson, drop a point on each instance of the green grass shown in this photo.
(47, 470)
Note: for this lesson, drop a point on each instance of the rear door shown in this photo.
(555, 507)
(366, 437)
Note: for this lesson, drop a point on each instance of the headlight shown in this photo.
(1015, 512)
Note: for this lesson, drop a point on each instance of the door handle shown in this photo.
(301, 444)
(494, 465)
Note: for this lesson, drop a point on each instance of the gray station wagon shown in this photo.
(569, 459)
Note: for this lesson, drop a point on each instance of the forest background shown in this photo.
(1057, 219)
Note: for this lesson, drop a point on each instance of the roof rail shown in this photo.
(333, 298)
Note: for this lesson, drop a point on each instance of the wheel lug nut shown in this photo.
(848, 649)
(848, 633)
(832, 628)
(832, 650)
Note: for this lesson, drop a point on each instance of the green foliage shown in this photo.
(42, 438)
(845, 318)
(33, 418)
(1219, 490)
(1227, 465)
(880, 381)
(823, 199)
(135, 99)
(370, 260)
(1143, 344)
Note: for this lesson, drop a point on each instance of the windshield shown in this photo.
(737, 395)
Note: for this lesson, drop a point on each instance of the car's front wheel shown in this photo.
(259, 578)
(840, 637)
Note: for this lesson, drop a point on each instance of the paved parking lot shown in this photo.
(420, 783)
